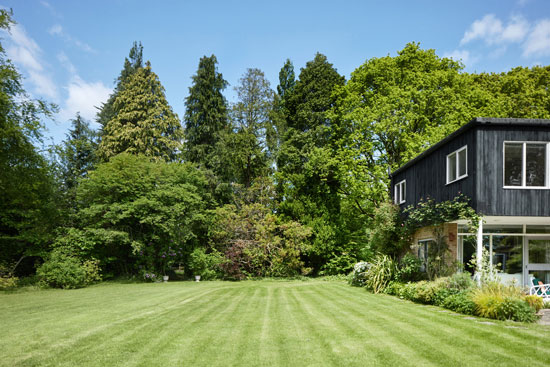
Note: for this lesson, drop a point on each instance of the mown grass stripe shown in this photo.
(385, 345)
(458, 341)
(264, 323)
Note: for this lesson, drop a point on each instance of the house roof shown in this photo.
(477, 121)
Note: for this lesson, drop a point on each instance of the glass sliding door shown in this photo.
(537, 260)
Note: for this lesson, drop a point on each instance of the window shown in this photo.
(400, 195)
(525, 165)
(423, 252)
(457, 165)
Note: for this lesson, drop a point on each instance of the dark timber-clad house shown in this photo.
(503, 166)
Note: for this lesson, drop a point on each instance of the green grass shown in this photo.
(256, 323)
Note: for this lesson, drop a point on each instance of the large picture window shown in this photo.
(399, 196)
(457, 165)
(525, 164)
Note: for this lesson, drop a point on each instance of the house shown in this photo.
(503, 166)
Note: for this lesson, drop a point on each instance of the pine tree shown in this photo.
(132, 63)
(251, 119)
(78, 152)
(145, 123)
(206, 113)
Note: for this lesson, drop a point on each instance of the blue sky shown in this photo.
(70, 52)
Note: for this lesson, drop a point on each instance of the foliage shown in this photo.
(207, 265)
(205, 114)
(134, 210)
(408, 269)
(536, 302)
(132, 64)
(307, 176)
(246, 144)
(358, 276)
(62, 270)
(386, 233)
(430, 213)
(380, 273)
(460, 302)
(488, 273)
(7, 280)
(28, 210)
(502, 302)
(144, 123)
(254, 240)
(341, 263)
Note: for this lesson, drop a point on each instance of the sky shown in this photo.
(71, 52)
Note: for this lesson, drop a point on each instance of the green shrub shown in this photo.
(380, 273)
(207, 265)
(460, 281)
(536, 302)
(61, 270)
(358, 276)
(92, 270)
(394, 288)
(409, 268)
(8, 282)
(502, 302)
(460, 302)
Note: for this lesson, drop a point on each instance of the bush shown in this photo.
(62, 270)
(8, 282)
(394, 288)
(460, 302)
(460, 281)
(358, 276)
(536, 302)
(206, 265)
(409, 268)
(502, 302)
(382, 270)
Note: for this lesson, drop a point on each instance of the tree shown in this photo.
(134, 209)
(132, 63)
(307, 170)
(251, 119)
(205, 114)
(77, 153)
(145, 123)
(28, 212)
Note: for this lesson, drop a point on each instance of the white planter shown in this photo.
(165, 278)
(197, 278)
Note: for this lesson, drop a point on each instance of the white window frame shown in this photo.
(457, 168)
(524, 165)
(400, 192)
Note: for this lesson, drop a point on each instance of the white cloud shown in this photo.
(462, 55)
(57, 30)
(538, 41)
(84, 97)
(27, 55)
(492, 30)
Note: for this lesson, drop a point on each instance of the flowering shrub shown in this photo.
(358, 276)
(149, 276)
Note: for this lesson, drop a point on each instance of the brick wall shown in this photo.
(448, 230)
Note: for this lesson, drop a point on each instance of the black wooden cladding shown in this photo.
(484, 138)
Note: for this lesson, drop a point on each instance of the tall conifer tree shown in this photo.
(205, 114)
(144, 123)
(132, 63)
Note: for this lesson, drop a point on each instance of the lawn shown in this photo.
(251, 323)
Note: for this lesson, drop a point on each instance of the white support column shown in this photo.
(479, 250)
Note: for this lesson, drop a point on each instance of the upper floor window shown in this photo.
(399, 196)
(457, 165)
(526, 164)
